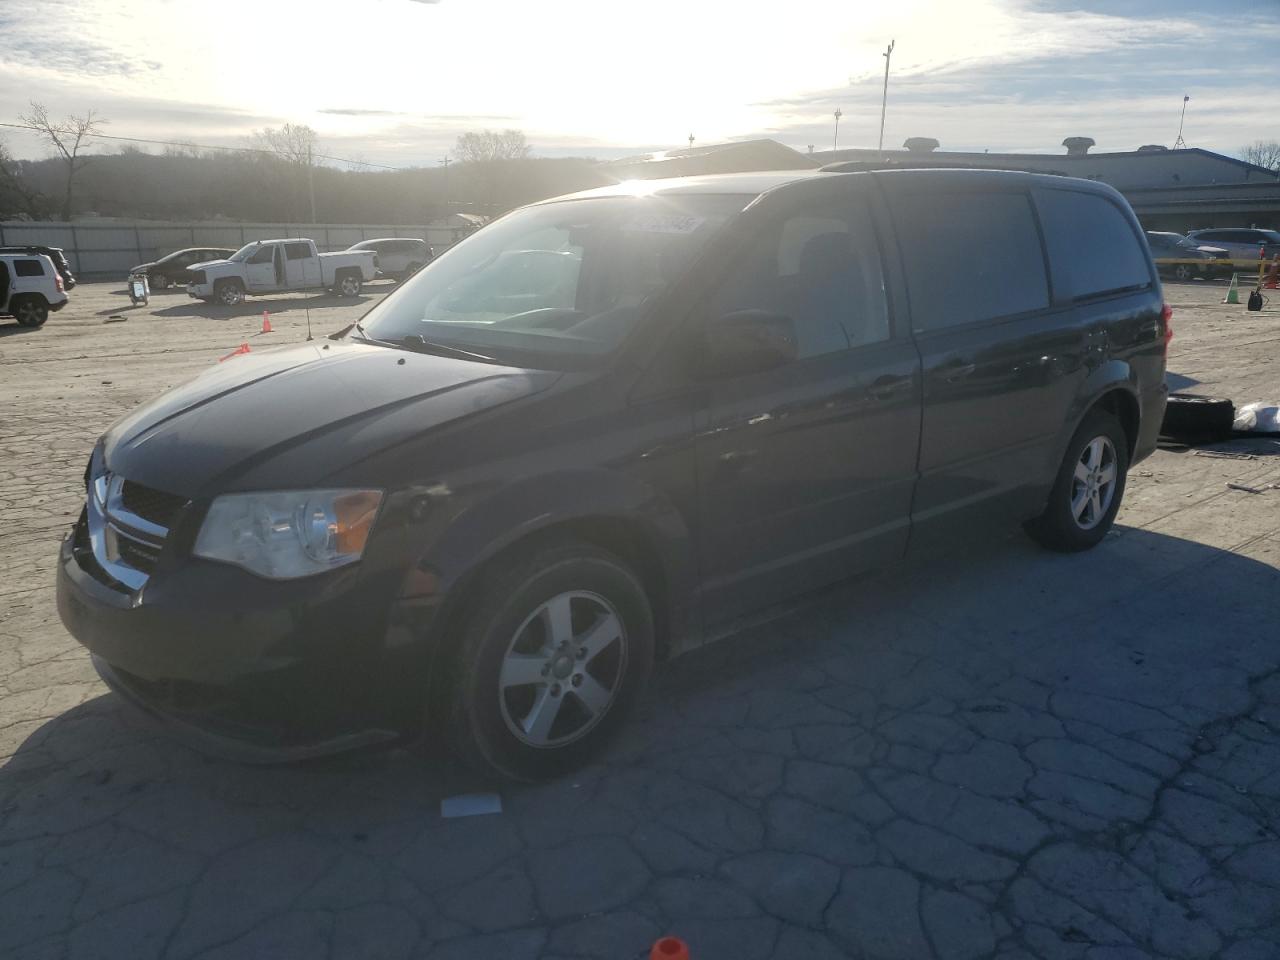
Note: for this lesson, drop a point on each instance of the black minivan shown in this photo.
(598, 432)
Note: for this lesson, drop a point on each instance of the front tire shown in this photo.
(553, 653)
(158, 281)
(1087, 492)
(30, 311)
(229, 293)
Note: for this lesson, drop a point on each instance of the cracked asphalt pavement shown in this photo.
(996, 753)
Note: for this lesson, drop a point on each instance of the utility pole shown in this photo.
(311, 181)
(691, 141)
(1181, 144)
(884, 100)
(835, 137)
(444, 162)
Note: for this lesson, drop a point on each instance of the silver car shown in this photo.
(398, 257)
(1240, 242)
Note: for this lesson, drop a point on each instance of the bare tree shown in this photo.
(1265, 153)
(488, 145)
(294, 143)
(67, 137)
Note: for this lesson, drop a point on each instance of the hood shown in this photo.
(1212, 251)
(206, 264)
(296, 416)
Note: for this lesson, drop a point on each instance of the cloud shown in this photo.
(357, 111)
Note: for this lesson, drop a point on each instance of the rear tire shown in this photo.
(30, 311)
(349, 285)
(553, 653)
(1183, 271)
(229, 293)
(409, 271)
(1087, 492)
(158, 281)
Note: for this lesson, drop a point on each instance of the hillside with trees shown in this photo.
(275, 178)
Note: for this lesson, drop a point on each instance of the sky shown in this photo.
(396, 81)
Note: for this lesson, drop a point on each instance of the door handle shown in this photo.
(888, 386)
(957, 370)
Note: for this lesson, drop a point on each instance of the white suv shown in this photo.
(29, 288)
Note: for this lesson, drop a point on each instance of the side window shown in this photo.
(821, 268)
(970, 257)
(297, 251)
(28, 268)
(262, 255)
(1092, 246)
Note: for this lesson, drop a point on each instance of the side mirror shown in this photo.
(747, 341)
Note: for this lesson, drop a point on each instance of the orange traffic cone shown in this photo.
(266, 322)
(243, 348)
(669, 948)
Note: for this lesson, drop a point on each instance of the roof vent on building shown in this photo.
(1153, 148)
(921, 144)
(1078, 146)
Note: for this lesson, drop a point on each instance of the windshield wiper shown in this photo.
(417, 344)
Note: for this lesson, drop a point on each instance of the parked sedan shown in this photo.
(1240, 243)
(163, 273)
(398, 257)
(1170, 250)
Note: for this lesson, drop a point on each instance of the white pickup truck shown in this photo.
(278, 266)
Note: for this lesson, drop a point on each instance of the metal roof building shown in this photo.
(1169, 189)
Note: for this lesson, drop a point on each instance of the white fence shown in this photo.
(106, 250)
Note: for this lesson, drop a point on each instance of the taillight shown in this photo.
(57, 278)
(1166, 315)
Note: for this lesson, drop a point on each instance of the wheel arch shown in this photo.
(618, 516)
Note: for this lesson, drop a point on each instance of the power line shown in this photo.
(208, 146)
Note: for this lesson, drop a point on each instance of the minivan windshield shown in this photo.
(553, 284)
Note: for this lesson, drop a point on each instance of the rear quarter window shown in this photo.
(970, 257)
(28, 268)
(1093, 248)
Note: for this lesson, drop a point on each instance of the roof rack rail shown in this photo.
(854, 166)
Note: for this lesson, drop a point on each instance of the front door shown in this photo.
(805, 471)
(1001, 362)
(260, 268)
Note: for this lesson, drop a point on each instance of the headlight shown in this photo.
(289, 534)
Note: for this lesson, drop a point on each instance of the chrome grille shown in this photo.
(128, 525)
(154, 505)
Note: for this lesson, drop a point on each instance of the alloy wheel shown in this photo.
(1093, 483)
(563, 669)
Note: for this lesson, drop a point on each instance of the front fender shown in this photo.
(516, 511)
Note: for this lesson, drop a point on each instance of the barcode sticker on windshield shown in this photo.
(663, 223)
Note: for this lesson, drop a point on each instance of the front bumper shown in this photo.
(258, 670)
